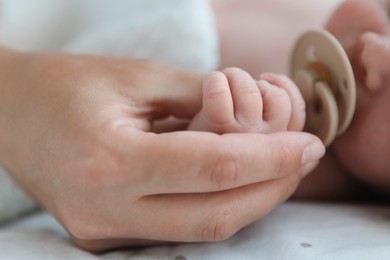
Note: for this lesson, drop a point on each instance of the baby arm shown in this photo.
(234, 102)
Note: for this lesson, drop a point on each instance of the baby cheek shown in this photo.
(364, 152)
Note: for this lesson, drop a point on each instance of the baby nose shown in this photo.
(375, 59)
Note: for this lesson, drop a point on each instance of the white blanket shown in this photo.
(293, 231)
(181, 33)
(177, 32)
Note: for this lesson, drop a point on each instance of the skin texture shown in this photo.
(79, 134)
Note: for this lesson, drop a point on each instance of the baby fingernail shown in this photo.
(313, 152)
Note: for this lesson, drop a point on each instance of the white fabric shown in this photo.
(178, 32)
(293, 231)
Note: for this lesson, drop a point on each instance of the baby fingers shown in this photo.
(295, 106)
(276, 107)
(231, 103)
(217, 100)
(248, 106)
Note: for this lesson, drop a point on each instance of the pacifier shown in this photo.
(322, 71)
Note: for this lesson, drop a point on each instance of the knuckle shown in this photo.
(101, 170)
(280, 170)
(84, 218)
(281, 95)
(223, 172)
(80, 226)
(219, 85)
(284, 79)
(220, 225)
(291, 184)
(249, 89)
(88, 222)
(91, 178)
(219, 90)
(285, 161)
(88, 245)
(241, 80)
(287, 186)
(81, 231)
(232, 70)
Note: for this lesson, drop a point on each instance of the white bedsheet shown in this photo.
(293, 231)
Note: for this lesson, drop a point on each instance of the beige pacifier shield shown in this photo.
(319, 57)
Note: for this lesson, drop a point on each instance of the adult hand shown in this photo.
(77, 133)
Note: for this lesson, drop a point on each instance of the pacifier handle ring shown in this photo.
(327, 129)
(319, 58)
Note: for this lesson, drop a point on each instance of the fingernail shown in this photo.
(313, 152)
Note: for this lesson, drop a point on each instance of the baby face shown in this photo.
(363, 28)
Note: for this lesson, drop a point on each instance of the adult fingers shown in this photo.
(298, 113)
(206, 216)
(276, 107)
(171, 90)
(188, 217)
(248, 107)
(186, 162)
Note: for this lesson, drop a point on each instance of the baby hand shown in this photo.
(234, 102)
